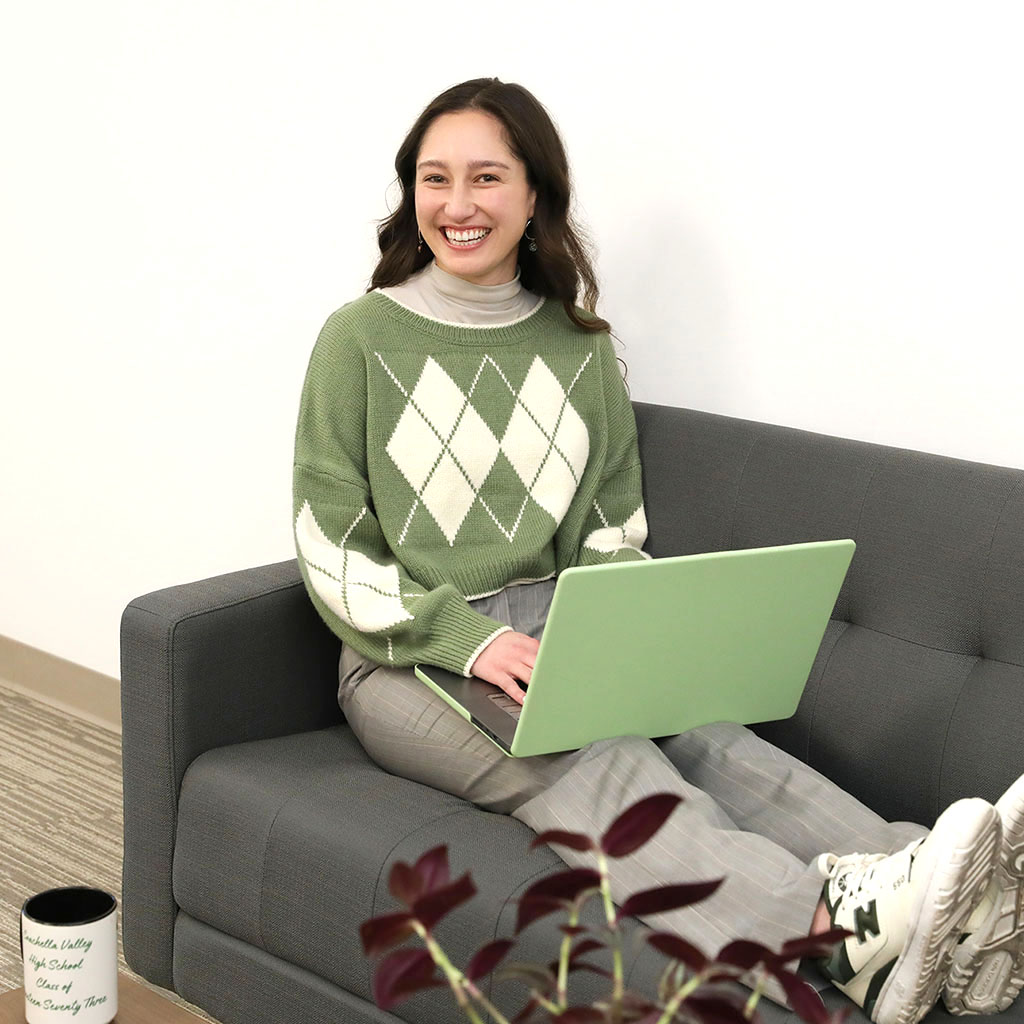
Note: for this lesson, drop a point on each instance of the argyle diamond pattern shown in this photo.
(609, 539)
(364, 593)
(446, 451)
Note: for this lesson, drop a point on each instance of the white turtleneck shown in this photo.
(435, 293)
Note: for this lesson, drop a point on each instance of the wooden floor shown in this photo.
(60, 812)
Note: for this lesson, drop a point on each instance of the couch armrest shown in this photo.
(233, 658)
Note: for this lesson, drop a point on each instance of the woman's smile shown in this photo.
(465, 238)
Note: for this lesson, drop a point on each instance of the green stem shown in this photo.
(755, 997)
(613, 925)
(458, 982)
(551, 1007)
(496, 1014)
(563, 959)
(677, 1000)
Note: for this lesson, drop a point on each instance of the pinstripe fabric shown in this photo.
(751, 813)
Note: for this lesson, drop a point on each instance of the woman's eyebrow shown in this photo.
(474, 165)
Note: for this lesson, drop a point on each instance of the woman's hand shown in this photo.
(506, 661)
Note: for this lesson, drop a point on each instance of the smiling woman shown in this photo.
(472, 212)
(485, 154)
(462, 439)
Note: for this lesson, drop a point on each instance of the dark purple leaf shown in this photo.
(526, 1012)
(580, 1015)
(538, 978)
(572, 930)
(583, 965)
(723, 973)
(584, 947)
(804, 1001)
(380, 933)
(667, 897)
(715, 1010)
(429, 909)
(813, 945)
(635, 1006)
(574, 840)
(402, 973)
(679, 949)
(563, 885)
(486, 959)
(534, 909)
(555, 892)
(432, 868)
(635, 825)
(405, 883)
(745, 954)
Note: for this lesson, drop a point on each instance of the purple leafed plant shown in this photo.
(687, 990)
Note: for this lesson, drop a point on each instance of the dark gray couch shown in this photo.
(258, 835)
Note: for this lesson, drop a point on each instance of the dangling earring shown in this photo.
(533, 243)
(419, 248)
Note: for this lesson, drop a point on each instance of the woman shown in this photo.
(464, 435)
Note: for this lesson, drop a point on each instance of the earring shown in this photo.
(533, 243)
(419, 248)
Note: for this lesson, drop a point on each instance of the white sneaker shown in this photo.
(907, 911)
(988, 964)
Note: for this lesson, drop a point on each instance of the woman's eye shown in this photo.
(431, 178)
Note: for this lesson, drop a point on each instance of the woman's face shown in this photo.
(468, 181)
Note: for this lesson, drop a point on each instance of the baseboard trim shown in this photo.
(62, 684)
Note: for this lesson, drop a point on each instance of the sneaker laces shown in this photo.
(854, 873)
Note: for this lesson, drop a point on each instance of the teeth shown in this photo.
(466, 236)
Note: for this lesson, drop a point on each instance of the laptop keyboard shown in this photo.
(506, 703)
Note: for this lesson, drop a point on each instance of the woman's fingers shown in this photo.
(513, 689)
(506, 661)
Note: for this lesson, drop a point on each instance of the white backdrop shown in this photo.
(808, 213)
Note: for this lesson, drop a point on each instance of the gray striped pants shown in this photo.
(751, 812)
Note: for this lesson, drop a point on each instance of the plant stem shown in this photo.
(683, 992)
(499, 1017)
(613, 925)
(563, 959)
(755, 996)
(458, 982)
(546, 1003)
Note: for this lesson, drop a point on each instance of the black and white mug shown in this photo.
(69, 946)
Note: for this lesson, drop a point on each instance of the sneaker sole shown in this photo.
(987, 974)
(971, 848)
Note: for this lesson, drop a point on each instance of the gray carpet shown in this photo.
(60, 813)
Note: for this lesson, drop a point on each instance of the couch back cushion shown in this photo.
(917, 695)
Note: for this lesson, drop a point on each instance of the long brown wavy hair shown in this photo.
(562, 261)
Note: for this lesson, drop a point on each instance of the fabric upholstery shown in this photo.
(286, 831)
(287, 843)
(931, 613)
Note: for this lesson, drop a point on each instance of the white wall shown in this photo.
(808, 213)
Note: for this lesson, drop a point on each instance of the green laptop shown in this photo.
(654, 648)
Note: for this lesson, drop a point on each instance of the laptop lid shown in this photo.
(657, 647)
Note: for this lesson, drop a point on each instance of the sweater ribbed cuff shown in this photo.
(480, 650)
(458, 635)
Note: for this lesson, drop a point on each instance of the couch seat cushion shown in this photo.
(287, 844)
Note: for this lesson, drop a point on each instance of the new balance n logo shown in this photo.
(865, 920)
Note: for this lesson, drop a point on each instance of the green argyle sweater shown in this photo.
(436, 463)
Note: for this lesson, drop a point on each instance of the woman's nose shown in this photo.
(460, 202)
